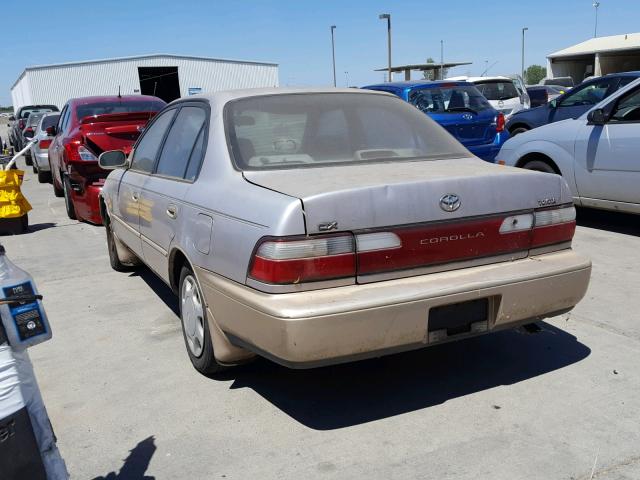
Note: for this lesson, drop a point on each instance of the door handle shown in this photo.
(172, 211)
(134, 197)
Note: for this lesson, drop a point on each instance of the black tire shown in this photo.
(539, 166)
(114, 259)
(204, 363)
(44, 177)
(35, 170)
(28, 160)
(518, 131)
(68, 202)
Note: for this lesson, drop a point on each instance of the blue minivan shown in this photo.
(460, 108)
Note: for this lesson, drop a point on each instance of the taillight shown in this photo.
(21, 124)
(77, 152)
(44, 143)
(292, 261)
(500, 122)
(28, 130)
(551, 226)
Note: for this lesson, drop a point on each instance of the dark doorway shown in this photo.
(161, 82)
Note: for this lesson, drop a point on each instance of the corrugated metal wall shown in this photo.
(57, 84)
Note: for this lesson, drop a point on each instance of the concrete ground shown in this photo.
(124, 399)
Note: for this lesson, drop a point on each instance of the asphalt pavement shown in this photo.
(124, 399)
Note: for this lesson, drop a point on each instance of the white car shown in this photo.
(506, 94)
(597, 154)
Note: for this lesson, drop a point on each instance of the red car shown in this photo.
(87, 127)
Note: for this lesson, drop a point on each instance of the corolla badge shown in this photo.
(467, 116)
(450, 202)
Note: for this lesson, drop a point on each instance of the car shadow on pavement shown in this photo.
(351, 394)
(618, 222)
(160, 288)
(136, 464)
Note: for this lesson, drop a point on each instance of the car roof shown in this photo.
(111, 98)
(481, 79)
(225, 96)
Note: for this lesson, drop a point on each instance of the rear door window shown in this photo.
(181, 142)
(146, 151)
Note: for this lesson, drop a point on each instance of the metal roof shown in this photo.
(614, 43)
(423, 66)
(140, 57)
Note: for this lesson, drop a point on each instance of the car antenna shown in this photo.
(119, 96)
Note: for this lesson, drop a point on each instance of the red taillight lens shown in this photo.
(552, 226)
(500, 123)
(44, 144)
(21, 124)
(291, 261)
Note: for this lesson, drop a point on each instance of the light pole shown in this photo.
(595, 29)
(333, 54)
(522, 71)
(387, 16)
(441, 59)
(346, 76)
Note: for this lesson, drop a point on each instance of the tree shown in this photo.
(432, 74)
(534, 74)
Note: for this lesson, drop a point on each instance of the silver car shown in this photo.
(322, 226)
(40, 149)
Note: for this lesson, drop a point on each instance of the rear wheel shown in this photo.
(68, 202)
(517, 131)
(539, 166)
(195, 328)
(44, 177)
(28, 160)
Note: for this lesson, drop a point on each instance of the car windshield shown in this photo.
(102, 108)
(306, 130)
(498, 90)
(448, 99)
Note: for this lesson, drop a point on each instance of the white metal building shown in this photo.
(167, 76)
(597, 56)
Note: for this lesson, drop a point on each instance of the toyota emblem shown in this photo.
(450, 202)
(467, 116)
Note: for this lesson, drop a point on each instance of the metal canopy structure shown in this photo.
(423, 67)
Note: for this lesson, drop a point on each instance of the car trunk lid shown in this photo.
(113, 131)
(469, 128)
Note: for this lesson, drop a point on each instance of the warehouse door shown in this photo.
(161, 82)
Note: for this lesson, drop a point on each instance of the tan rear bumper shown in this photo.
(313, 328)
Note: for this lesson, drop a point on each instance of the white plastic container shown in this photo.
(25, 322)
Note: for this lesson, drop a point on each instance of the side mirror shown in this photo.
(597, 117)
(112, 159)
(553, 103)
(51, 131)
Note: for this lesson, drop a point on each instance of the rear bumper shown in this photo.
(335, 325)
(86, 199)
(41, 158)
(489, 151)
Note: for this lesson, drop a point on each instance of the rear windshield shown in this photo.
(26, 113)
(448, 99)
(34, 118)
(504, 90)
(50, 121)
(306, 130)
(103, 108)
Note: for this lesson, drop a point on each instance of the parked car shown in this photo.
(597, 153)
(460, 108)
(15, 134)
(572, 104)
(29, 131)
(505, 94)
(40, 150)
(87, 127)
(321, 226)
(563, 81)
(543, 94)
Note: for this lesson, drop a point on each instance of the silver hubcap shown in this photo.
(192, 315)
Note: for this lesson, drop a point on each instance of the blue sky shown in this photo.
(296, 35)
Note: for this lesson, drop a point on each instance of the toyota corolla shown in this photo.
(323, 226)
